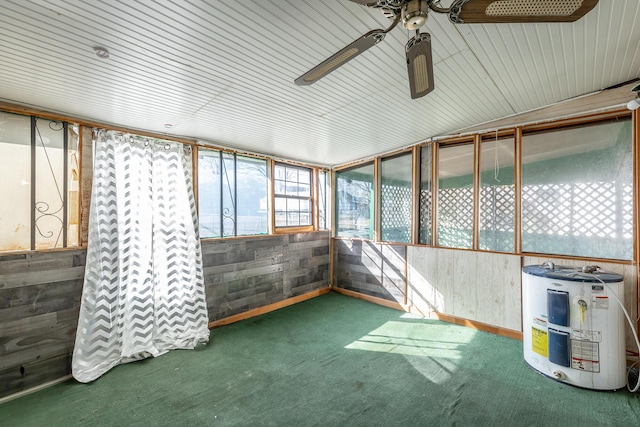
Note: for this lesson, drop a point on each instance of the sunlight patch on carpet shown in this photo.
(416, 339)
(434, 350)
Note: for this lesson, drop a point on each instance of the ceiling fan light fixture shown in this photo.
(415, 14)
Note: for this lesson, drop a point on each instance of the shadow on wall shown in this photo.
(371, 268)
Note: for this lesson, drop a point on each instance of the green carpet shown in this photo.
(329, 361)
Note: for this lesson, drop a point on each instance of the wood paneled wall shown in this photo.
(479, 286)
(39, 306)
(371, 268)
(40, 296)
(243, 274)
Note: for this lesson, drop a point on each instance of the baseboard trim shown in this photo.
(498, 330)
(510, 333)
(34, 389)
(267, 308)
(369, 298)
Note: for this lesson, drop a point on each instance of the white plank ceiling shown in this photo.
(222, 71)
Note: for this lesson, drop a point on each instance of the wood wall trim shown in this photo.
(517, 179)
(577, 121)
(435, 158)
(415, 195)
(369, 298)
(510, 333)
(271, 215)
(267, 308)
(35, 389)
(355, 164)
(578, 258)
(475, 224)
(377, 189)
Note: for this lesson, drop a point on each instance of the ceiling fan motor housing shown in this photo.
(414, 14)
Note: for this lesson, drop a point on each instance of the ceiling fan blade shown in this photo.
(505, 11)
(420, 65)
(342, 56)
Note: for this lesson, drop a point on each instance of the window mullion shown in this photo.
(235, 195)
(33, 183)
(221, 159)
(65, 182)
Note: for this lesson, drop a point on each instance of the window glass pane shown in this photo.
(323, 200)
(355, 202)
(305, 207)
(425, 195)
(279, 187)
(280, 210)
(304, 176)
(15, 175)
(228, 194)
(49, 202)
(52, 201)
(294, 183)
(577, 191)
(232, 194)
(252, 196)
(73, 187)
(209, 193)
(497, 195)
(395, 198)
(293, 205)
(292, 189)
(280, 173)
(455, 196)
(293, 218)
(304, 190)
(281, 204)
(293, 212)
(292, 175)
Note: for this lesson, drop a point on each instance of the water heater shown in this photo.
(573, 328)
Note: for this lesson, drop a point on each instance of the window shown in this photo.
(577, 191)
(324, 200)
(396, 198)
(497, 195)
(355, 202)
(455, 196)
(292, 191)
(425, 206)
(232, 194)
(40, 183)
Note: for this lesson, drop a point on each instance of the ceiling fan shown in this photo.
(414, 13)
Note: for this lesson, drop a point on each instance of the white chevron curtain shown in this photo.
(143, 290)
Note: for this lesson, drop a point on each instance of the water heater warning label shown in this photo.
(539, 342)
(585, 355)
(600, 301)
